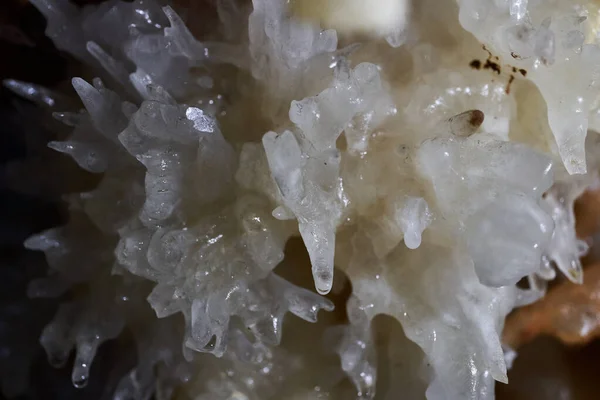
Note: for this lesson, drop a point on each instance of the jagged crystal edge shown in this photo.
(400, 185)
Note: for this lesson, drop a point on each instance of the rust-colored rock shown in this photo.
(569, 312)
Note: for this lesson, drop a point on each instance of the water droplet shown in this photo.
(80, 381)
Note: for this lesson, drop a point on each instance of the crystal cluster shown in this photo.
(433, 162)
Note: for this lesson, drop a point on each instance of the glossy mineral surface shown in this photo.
(427, 154)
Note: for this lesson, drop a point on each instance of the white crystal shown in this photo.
(426, 175)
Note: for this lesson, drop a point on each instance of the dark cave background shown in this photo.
(30, 200)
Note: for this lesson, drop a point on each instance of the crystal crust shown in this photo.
(426, 171)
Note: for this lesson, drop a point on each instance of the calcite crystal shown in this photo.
(429, 163)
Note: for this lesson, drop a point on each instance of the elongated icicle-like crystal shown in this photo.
(419, 180)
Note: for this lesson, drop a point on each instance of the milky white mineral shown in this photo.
(425, 176)
(378, 18)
